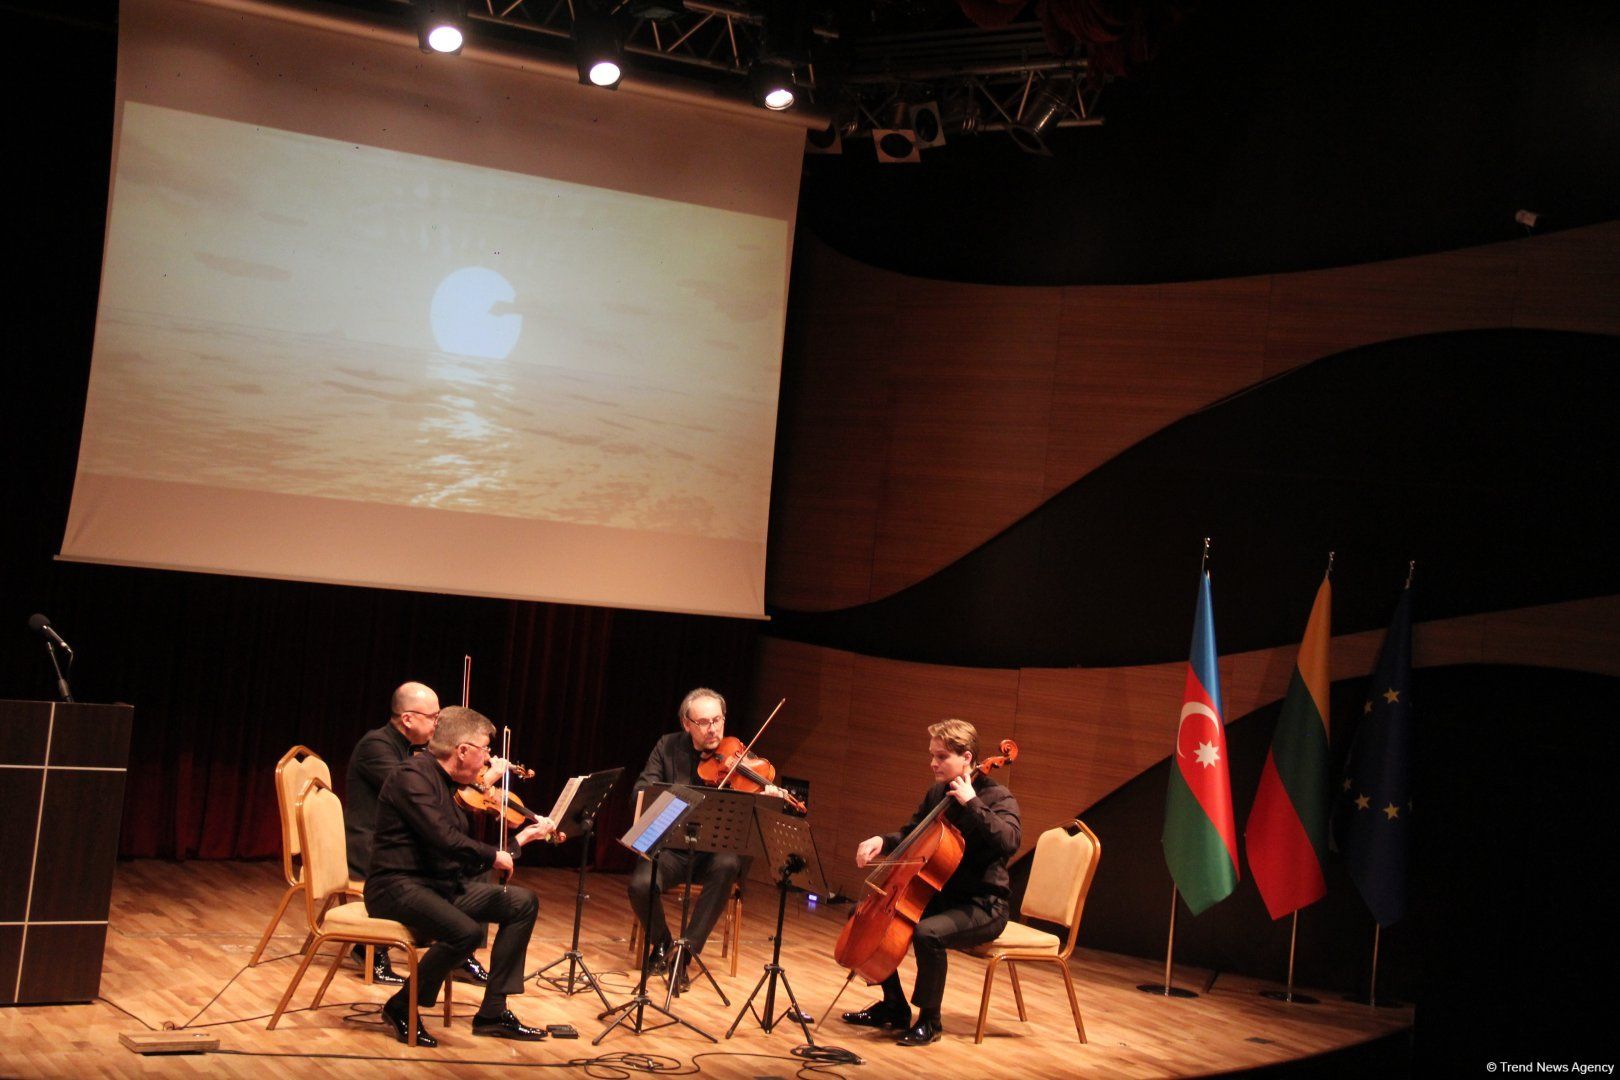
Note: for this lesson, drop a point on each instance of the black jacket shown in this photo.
(991, 831)
(421, 832)
(674, 760)
(379, 752)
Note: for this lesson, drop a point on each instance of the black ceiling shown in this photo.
(1268, 136)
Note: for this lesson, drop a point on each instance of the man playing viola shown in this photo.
(422, 865)
(674, 760)
(972, 906)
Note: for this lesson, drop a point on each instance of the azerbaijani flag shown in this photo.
(1200, 838)
(1287, 834)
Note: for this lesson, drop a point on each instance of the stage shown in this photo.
(179, 932)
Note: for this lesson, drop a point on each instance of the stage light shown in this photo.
(441, 26)
(1043, 109)
(771, 82)
(598, 49)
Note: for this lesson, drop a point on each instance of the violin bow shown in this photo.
(737, 764)
(506, 784)
(466, 679)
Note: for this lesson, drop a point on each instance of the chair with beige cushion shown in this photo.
(1059, 879)
(319, 817)
(294, 771)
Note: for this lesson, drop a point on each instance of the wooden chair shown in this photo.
(1059, 879)
(294, 771)
(319, 818)
(730, 921)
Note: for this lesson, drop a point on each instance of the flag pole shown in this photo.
(1288, 995)
(1166, 989)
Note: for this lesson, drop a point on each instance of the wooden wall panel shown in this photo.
(1082, 732)
(925, 417)
(972, 386)
(1323, 312)
(1571, 281)
(1135, 358)
(828, 493)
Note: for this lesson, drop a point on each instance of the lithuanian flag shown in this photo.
(1288, 827)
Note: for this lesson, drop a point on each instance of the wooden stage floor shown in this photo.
(179, 932)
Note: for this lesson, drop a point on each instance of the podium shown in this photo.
(61, 803)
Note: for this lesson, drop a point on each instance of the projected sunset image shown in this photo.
(295, 315)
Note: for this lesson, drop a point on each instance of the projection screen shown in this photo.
(378, 318)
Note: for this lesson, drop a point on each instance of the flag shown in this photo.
(1200, 838)
(1377, 789)
(1287, 833)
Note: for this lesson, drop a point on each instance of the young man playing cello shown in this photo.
(971, 908)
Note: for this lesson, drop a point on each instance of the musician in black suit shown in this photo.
(412, 715)
(972, 906)
(423, 866)
(674, 760)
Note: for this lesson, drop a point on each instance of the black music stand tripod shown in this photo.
(580, 819)
(723, 825)
(790, 848)
(646, 837)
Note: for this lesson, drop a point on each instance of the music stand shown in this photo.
(792, 851)
(646, 836)
(575, 815)
(722, 825)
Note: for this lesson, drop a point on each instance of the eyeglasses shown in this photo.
(711, 722)
(480, 747)
(419, 712)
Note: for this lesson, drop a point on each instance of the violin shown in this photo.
(519, 772)
(878, 934)
(732, 766)
(482, 800)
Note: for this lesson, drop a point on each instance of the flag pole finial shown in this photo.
(1411, 568)
(1203, 567)
(1329, 573)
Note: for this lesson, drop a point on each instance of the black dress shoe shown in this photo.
(925, 1031)
(471, 971)
(507, 1026)
(880, 1015)
(382, 971)
(400, 1025)
(659, 960)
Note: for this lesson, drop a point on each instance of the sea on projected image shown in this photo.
(198, 402)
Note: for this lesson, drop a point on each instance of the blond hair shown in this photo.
(959, 737)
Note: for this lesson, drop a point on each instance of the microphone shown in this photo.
(40, 625)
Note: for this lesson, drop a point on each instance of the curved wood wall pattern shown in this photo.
(853, 725)
(920, 418)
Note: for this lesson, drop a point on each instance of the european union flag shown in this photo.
(1377, 813)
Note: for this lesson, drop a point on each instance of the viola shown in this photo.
(505, 806)
(879, 932)
(732, 766)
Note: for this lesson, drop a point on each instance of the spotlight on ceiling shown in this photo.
(895, 142)
(598, 48)
(1036, 118)
(441, 26)
(771, 83)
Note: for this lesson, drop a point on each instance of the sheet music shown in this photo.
(564, 797)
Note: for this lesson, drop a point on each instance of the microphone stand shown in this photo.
(62, 687)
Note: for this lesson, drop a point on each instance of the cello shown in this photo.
(878, 934)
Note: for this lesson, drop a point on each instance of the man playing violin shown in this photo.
(972, 906)
(674, 760)
(413, 713)
(422, 865)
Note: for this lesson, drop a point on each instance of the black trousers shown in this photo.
(946, 924)
(454, 918)
(716, 873)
